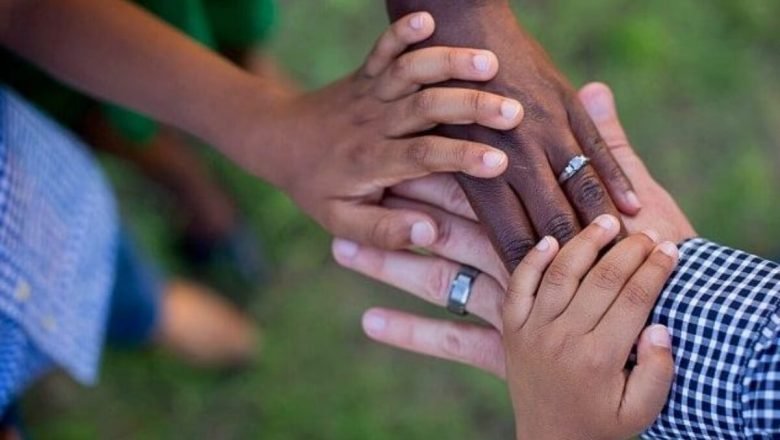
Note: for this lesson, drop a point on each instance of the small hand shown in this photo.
(353, 139)
(570, 322)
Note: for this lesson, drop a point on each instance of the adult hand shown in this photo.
(570, 322)
(351, 140)
(528, 201)
(463, 241)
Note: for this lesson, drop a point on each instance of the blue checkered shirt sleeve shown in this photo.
(58, 227)
(721, 306)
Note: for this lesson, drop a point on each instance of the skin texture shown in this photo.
(527, 202)
(568, 360)
(334, 151)
(464, 241)
(570, 322)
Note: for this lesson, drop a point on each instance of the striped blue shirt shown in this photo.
(58, 232)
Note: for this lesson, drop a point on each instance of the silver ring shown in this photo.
(460, 290)
(573, 167)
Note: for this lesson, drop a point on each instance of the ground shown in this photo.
(697, 85)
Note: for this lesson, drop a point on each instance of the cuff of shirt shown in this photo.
(719, 305)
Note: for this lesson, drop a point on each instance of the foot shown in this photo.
(202, 328)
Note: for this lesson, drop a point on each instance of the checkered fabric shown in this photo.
(58, 228)
(721, 306)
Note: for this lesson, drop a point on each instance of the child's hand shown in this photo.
(352, 140)
(570, 321)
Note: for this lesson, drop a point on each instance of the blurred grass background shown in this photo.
(697, 85)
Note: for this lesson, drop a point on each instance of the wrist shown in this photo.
(245, 127)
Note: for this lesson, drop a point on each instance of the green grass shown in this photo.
(696, 82)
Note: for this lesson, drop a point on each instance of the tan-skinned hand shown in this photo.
(350, 141)
(571, 319)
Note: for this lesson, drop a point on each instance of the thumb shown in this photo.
(381, 227)
(599, 102)
(651, 379)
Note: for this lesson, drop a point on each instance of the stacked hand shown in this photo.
(528, 202)
(463, 241)
(351, 140)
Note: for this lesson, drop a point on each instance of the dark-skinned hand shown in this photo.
(527, 202)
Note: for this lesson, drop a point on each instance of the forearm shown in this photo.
(117, 52)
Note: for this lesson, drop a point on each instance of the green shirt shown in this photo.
(225, 25)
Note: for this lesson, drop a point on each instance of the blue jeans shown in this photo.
(136, 297)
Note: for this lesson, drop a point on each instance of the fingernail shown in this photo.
(652, 235)
(633, 200)
(481, 62)
(669, 249)
(417, 22)
(344, 250)
(659, 336)
(493, 159)
(599, 106)
(423, 234)
(606, 221)
(374, 323)
(543, 245)
(510, 109)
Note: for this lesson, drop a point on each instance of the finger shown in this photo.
(434, 65)
(427, 277)
(404, 159)
(610, 172)
(381, 227)
(460, 342)
(630, 310)
(605, 281)
(530, 176)
(525, 282)
(599, 103)
(455, 106)
(585, 189)
(408, 30)
(648, 385)
(458, 239)
(563, 277)
(439, 190)
(504, 218)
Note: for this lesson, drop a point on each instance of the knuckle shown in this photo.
(474, 101)
(419, 151)
(460, 152)
(513, 248)
(638, 295)
(360, 155)
(455, 198)
(596, 362)
(451, 60)
(423, 102)
(557, 274)
(608, 276)
(446, 236)
(402, 67)
(437, 282)
(553, 347)
(589, 191)
(383, 233)
(562, 227)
